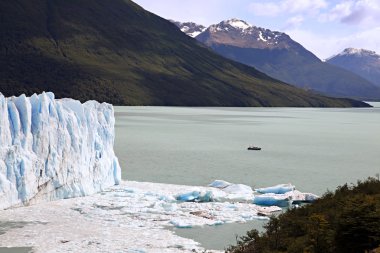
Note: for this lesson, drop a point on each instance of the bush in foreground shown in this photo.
(346, 221)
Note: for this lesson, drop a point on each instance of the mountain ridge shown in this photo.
(117, 52)
(363, 62)
(277, 55)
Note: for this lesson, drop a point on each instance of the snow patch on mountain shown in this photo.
(189, 28)
(237, 23)
(356, 51)
(54, 149)
(261, 37)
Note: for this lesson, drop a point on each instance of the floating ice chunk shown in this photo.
(268, 209)
(208, 196)
(219, 184)
(277, 189)
(180, 223)
(300, 197)
(228, 191)
(310, 197)
(190, 196)
(136, 251)
(196, 196)
(238, 189)
(271, 199)
(165, 206)
(167, 198)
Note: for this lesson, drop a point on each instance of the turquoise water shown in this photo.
(315, 149)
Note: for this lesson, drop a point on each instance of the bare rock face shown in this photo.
(53, 149)
(278, 56)
(190, 28)
(238, 33)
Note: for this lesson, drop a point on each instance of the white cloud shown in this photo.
(265, 9)
(316, 43)
(293, 22)
(274, 8)
(354, 12)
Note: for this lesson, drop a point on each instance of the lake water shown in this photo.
(315, 149)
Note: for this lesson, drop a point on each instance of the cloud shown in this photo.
(354, 12)
(293, 22)
(316, 43)
(275, 8)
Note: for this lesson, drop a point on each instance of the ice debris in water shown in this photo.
(54, 148)
(129, 216)
(196, 196)
(271, 199)
(219, 184)
(277, 189)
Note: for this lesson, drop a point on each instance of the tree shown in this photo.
(358, 227)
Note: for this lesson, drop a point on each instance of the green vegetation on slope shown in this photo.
(347, 221)
(115, 51)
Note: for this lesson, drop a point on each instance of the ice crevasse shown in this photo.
(54, 148)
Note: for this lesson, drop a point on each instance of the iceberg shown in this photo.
(271, 199)
(277, 189)
(219, 184)
(240, 189)
(229, 191)
(54, 149)
(196, 196)
(301, 198)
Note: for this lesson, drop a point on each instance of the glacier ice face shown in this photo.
(53, 149)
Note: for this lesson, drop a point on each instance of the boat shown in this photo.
(253, 148)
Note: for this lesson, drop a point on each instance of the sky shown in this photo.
(325, 27)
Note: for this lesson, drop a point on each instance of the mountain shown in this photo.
(360, 61)
(117, 52)
(190, 28)
(277, 55)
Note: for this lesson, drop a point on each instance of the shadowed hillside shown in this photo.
(117, 52)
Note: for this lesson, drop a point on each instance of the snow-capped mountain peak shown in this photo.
(236, 32)
(190, 28)
(237, 23)
(357, 52)
(363, 62)
(233, 24)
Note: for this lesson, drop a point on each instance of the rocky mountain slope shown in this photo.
(115, 51)
(363, 62)
(190, 28)
(277, 55)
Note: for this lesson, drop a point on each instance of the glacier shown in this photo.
(54, 149)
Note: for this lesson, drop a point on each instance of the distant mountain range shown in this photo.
(277, 55)
(360, 61)
(117, 52)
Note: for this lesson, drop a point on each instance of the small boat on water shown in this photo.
(253, 148)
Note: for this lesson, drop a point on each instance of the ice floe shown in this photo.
(129, 217)
(277, 189)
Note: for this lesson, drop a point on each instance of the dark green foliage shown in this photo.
(347, 221)
(115, 51)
